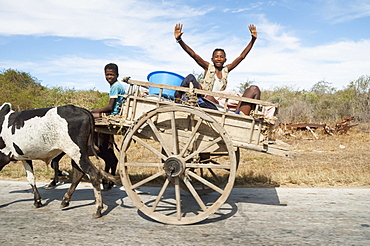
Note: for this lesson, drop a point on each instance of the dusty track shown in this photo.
(252, 216)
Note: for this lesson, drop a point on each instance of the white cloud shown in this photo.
(338, 63)
(338, 11)
(128, 21)
(278, 58)
(252, 6)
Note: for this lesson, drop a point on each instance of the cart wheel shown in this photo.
(176, 147)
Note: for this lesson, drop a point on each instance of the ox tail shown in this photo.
(93, 148)
(91, 142)
(115, 179)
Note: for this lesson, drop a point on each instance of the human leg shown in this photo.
(106, 152)
(186, 83)
(253, 92)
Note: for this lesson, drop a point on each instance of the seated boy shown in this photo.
(215, 75)
(116, 93)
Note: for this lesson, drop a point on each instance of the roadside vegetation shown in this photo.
(339, 160)
(26, 92)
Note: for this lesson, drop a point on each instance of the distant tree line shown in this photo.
(25, 92)
(321, 104)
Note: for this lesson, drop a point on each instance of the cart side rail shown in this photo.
(199, 91)
(262, 110)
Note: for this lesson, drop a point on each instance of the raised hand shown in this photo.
(178, 31)
(253, 30)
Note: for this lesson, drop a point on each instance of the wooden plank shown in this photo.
(201, 92)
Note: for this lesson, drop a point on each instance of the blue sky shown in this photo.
(67, 43)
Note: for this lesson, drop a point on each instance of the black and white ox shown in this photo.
(42, 134)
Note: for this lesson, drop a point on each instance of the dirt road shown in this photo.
(252, 216)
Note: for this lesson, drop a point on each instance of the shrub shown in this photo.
(25, 92)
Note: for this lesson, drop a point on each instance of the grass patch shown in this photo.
(330, 161)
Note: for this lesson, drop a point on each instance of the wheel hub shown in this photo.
(173, 167)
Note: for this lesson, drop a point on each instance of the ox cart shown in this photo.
(188, 154)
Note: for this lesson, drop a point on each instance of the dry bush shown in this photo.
(340, 160)
(299, 111)
(330, 161)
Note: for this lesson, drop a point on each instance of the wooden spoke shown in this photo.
(159, 154)
(178, 198)
(202, 149)
(175, 140)
(195, 194)
(202, 180)
(150, 178)
(160, 195)
(159, 137)
(146, 164)
(191, 138)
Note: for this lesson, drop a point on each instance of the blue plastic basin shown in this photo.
(166, 78)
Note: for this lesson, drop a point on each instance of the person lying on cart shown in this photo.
(215, 73)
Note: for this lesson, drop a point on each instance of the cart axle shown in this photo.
(174, 167)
